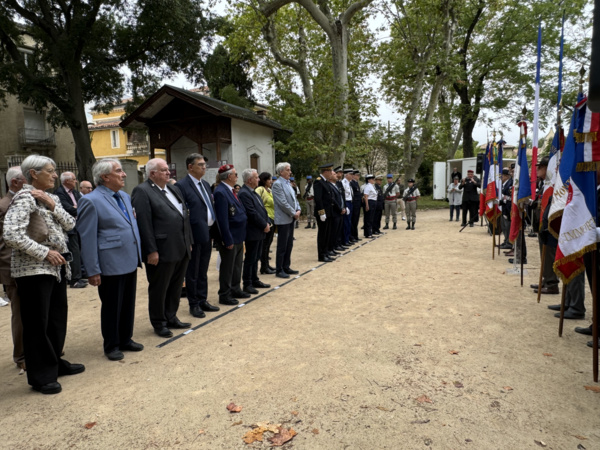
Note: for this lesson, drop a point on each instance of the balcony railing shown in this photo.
(138, 148)
(31, 137)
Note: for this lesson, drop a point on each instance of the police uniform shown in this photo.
(390, 194)
(411, 194)
(370, 205)
(309, 197)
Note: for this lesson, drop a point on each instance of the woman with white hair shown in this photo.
(35, 228)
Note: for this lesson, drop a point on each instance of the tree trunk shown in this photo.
(84, 157)
(339, 55)
(467, 127)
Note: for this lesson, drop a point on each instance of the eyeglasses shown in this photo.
(50, 171)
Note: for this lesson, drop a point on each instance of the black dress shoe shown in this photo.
(326, 259)
(267, 271)
(260, 284)
(178, 324)
(205, 306)
(554, 307)
(511, 261)
(291, 271)
(549, 290)
(66, 368)
(229, 301)
(273, 269)
(196, 311)
(282, 274)
(591, 343)
(240, 294)
(50, 388)
(534, 286)
(132, 347)
(584, 330)
(163, 332)
(250, 290)
(308, 226)
(571, 315)
(115, 355)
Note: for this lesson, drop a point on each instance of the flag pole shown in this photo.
(595, 316)
(493, 239)
(522, 241)
(541, 271)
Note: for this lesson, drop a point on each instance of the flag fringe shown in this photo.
(572, 258)
(586, 137)
(552, 218)
(588, 166)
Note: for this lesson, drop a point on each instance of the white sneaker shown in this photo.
(404, 218)
(4, 301)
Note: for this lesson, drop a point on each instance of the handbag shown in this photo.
(37, 228)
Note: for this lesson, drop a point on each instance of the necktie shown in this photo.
(164, 191)
(235, 195)
(121, 204)
(206, 199)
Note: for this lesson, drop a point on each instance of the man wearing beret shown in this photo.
(390, 194)
(229, 236)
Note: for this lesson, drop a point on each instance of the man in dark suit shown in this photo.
(166, 236)
(199, 200)
(506, 204)
(470, 200)
(323, 212)
(337, 211)
(257, 229)
(107, 225)
(229, 236)
(69, 197)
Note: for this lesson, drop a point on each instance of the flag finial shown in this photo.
(581, 79)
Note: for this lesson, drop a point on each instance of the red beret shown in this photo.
(470, 171)
(225, 168)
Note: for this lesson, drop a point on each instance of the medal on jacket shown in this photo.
(231, 210)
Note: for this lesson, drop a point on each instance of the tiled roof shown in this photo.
(104, 125)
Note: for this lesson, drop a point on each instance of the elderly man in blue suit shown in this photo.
(111, 254)
(287, 211)
(229, 236)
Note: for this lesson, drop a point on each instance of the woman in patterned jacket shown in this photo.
(41, 273)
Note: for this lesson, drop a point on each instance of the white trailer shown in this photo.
(443, 169)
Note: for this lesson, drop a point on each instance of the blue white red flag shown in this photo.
(536, 111)
(577, 234)
(587, 133)
(521, 186)
(484, 181)
(491, 190)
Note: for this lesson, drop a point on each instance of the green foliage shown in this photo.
(227, 79)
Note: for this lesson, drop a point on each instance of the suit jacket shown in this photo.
(356, 195)
(256, 213)
(231, 217)
(198, 209)
(5, 251)
(323, 198)
(507, 190)
(286, 203)
(337, 200)
(67, 203)
(163, 228)
(470, 190)
(110, 241)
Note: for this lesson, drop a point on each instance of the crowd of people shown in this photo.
(169, 227)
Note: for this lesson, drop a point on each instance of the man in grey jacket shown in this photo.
(287, 211)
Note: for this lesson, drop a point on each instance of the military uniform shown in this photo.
(390, 194)
(411, 194)
(379, 206)
(356, 204)
(309, 197)
(370, 205)
(323, 213)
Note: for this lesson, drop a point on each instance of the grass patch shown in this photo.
(427, 202)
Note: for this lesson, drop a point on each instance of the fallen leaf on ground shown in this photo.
(581, 438)
(580, 447)
(423, 399)
(90, 425)
(294, 413)
(507, 388)
(453, 352)
(239, 422)
(315, 431)
(547, 354)
(381, 408)
(478, 315)
(201, 431)
(458, 384)
(541, 443)
(256, 434)
(284, 435)
(418, 345)
(495, 404)
(592, 388)
(232, 407)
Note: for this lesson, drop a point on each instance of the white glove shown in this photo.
(347, 212)
(323, 217)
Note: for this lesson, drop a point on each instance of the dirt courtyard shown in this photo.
(417, 339)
